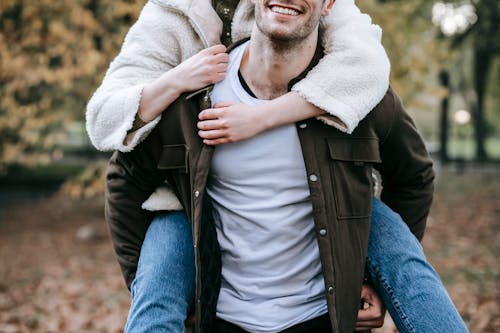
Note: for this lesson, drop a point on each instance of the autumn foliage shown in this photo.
(53, 54)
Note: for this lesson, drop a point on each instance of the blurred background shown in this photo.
(58, 272)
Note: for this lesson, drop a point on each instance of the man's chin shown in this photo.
(281, 31)
(281, 38)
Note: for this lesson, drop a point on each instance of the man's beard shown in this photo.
(284, 38)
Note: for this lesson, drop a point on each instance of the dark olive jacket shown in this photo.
(339, 168)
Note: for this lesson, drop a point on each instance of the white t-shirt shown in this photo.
(271, 271)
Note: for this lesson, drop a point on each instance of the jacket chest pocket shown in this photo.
(173, 163)
(351, 169)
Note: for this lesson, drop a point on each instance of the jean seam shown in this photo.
(397, 307)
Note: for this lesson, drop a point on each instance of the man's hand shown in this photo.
(371, 315)
(229, 122)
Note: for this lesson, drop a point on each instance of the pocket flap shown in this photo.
(354, 149)
(173, 157)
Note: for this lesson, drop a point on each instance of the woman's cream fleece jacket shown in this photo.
(349, 81)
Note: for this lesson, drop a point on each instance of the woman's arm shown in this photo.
(353, 77)
(231, 122)
(160, 59)
(204, 68)
(341, 90)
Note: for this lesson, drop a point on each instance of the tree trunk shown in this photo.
(486, 45)
(444, 78)
(482, 65)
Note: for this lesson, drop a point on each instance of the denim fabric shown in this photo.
(165, 282)
(408, 285)
(410, 288)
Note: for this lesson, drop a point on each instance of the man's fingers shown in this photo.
(371, 323)
(369, 327)
(371, 313)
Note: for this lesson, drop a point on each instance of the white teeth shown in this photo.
(286, 11)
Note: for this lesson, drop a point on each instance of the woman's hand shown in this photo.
(230, 122)
(204, 68)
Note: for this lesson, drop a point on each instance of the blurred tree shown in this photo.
(52, 55)
(483, 35)
(415, 53)
(444, 78)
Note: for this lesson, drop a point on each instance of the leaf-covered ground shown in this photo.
(58, 272)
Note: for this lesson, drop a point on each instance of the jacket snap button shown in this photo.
(313, 178)
(322, 232)
(330, 290)
(196, 194)
(303, 125)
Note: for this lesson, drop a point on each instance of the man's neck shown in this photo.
(268, 66)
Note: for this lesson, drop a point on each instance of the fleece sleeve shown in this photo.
(150, 48)
(353, 76)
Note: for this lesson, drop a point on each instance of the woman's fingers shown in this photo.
(210, 125)
(212, 134)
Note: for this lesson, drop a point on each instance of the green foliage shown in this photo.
(53, 55)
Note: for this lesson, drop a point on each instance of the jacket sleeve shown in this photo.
(406, 170)
(130, 180)
(150, 48)
(353, 76)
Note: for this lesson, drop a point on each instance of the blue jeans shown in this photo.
(408, 285)
(164, 284)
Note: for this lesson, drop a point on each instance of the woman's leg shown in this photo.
(408, 285)
(165, 281)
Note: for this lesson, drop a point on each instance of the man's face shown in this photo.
(289, 20)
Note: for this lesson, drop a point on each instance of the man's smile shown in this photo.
(284, 10)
